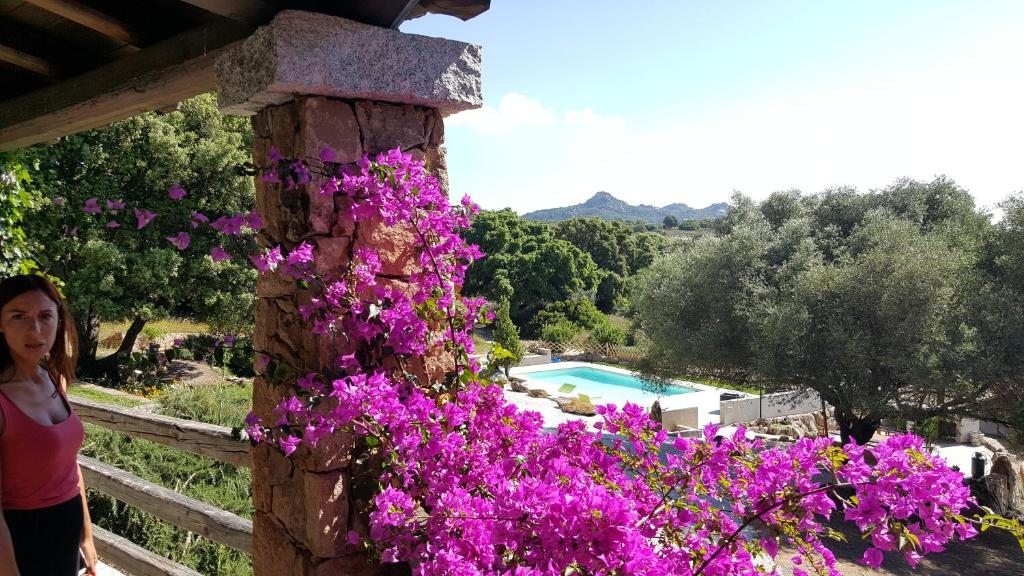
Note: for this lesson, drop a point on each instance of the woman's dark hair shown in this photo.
(63, 356)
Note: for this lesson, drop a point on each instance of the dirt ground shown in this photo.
(991, 553)
(194, 373)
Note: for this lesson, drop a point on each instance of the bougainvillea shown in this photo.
(466, 483)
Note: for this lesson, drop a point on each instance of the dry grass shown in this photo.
(166, 326)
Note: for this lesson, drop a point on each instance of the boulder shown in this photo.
(1005, 485)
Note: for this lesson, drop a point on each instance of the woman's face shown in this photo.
(29, 325)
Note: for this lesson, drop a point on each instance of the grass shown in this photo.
(223, 485)
(106, 398)
(157, 327)
(481, 345)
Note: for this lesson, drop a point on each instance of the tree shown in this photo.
(123, 273)
(875, 301)
(16, 200)
(527, 256)
(507, 335)
(670, 221)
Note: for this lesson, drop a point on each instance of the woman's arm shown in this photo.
(8, 565)
(88, 546)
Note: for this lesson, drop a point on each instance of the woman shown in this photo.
(45, 520)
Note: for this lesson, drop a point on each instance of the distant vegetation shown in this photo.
(604, 205)
(560, 279)
(904, 302)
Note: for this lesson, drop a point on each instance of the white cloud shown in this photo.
(513, 111)
(588, 118)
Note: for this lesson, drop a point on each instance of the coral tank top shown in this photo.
(38, 464)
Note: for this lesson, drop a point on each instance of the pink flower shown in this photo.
(301, 254)
(92, 206)
(269, 260)
(180, 241)
(252, 220)
(219, 254)
(143, 217)
(289, 444)
(177, 192)
(113, 224)
(274, 155)
(872, 557)
(114, 206)
(198, 217)
(58, 201)
(228, 225)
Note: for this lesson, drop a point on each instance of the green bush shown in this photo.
(579, 311)
(561, 331)
(608, 333)
(507, 334)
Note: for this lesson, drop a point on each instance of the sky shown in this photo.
(688, 100)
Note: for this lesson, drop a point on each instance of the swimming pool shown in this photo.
(602, 386)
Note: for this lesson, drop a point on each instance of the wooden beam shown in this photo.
(251, 12)
(187, 513)
(90, 18)
(28, 62)
(196, 437)
(159, 76)
(134, 559)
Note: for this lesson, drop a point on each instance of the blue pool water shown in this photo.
(602, 386)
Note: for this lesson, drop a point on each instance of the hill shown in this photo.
(604, 205)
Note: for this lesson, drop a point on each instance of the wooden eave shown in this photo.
(72, 65)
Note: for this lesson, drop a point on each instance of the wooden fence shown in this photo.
(189, 514)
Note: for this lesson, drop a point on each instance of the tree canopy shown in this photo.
(114, 265)
(885, 303)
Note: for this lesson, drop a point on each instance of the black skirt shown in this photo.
(46, 540)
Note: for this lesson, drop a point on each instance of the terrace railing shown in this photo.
(186, 513)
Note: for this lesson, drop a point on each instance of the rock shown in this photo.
(538, 393)
(576, 406)
(1005, 485)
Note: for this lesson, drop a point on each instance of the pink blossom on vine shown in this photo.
(92, 206)
(176, 192)
(198, 218)
(301, 254)
(180, 241)
(113, 224)
(219, 254)
(143, 217)
(268, 260)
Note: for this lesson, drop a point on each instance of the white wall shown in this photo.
(769, 406)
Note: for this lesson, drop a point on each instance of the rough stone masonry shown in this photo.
(312, 81)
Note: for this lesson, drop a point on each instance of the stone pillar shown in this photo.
(312, 81)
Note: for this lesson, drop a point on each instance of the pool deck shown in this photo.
(705, 398)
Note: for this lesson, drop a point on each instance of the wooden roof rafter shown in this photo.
(92, 18)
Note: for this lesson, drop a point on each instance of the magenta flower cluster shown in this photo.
(469, 484)
(466, 483)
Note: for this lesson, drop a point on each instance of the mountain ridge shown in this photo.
(604, 205)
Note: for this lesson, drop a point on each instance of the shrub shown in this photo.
(560, 331)
(607, 333)
(507, 334)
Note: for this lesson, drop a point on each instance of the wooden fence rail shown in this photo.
(209, 440)
(199, 517)
(200, 438)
